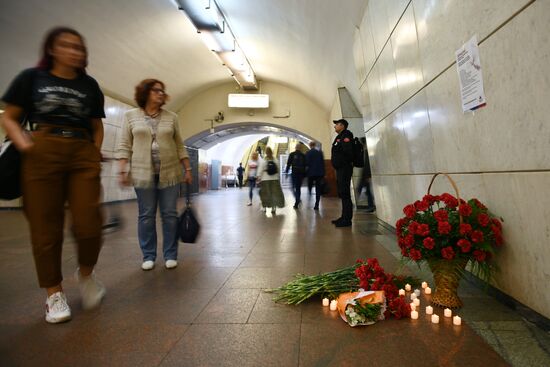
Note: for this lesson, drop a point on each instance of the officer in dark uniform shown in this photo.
(342, 161)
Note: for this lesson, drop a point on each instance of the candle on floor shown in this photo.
(408, 287)
(325, 302)
(413, 307)
(435, 319)
(428, 290)
(417, 292)
(333, 305)
(457, 320)
(424, 285)
(416, 302)
(429, 310)
(413, 296)
(401, 292)
(414, 315)
(447, 312)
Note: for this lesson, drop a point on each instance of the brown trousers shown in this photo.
(58, 170)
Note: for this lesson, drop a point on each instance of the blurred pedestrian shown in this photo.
(271, 193)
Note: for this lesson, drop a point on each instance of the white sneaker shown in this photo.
(148, 265)
(171, 264)
(92, 290)
(57, 309)
(249, 203)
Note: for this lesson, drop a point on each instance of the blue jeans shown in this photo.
(166, 199)
(251, 185)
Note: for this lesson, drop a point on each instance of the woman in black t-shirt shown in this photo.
(61, 162)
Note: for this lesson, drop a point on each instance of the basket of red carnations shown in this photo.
(449, 233)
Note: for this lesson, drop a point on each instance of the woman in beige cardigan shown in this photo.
(151, 155)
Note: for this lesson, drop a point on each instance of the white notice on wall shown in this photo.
(469, 74)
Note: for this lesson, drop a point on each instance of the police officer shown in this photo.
(342, 161)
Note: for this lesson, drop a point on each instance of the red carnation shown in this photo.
(483, 219)
(480, 255)
(465, 229)
(409, 240)
(448, 253)
(409, 211)
(498, 239)
(400, 224)
(429, 198)
(441, 215)
(449, 200)
(423, 230)
(415, 255)
(428, 243)
(477, 236)
(413, 227)
(479, 204)
(465, 210)
(443, 227)
(465, 245)
(399, 308)
(421, 206)
(497, 223)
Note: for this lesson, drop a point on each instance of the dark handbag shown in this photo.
(10, 172)
(188, 225)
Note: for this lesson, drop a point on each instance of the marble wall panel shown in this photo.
(404, 43)
(455, 142)
(418, 134)
(388, 80)
(358, 57)
(394, 10)
(369, 53)
(375, 97)
(445, 25)
(377, 11)
(522, 200)
(513, 132)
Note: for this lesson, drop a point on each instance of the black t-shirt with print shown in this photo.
(46, 98)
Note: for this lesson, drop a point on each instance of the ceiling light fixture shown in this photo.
(212, 25)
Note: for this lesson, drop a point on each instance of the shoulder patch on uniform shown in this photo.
(346, 140)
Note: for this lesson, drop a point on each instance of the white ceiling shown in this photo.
(304, 44)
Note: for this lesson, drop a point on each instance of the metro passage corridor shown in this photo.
(211, 310)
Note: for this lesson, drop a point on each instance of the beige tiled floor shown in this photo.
(212, 311)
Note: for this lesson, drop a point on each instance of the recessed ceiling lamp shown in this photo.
(211, 24)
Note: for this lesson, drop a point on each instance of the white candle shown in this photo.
(333, 305)
(457, 320)
(408, 287)
(401, 292)
(413, 307)
(428, 290)
(414, 315)
(429, 310)
(435, 319)
(424, 285)
(417, 292)
(416, 302)
(413, 296)
(447, 312)
(325, 302)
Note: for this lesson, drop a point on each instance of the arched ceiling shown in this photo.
(208, 139)
(305, 44)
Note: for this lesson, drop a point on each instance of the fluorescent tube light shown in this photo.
(248, 100)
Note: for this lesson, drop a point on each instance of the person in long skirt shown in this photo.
(271, 194)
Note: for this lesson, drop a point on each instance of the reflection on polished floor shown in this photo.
(211, 311)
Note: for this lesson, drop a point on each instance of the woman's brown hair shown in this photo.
(46, 61)
(268, 153)
(144, 88)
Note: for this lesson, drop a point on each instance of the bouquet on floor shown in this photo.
(362, 308)
(365, 275)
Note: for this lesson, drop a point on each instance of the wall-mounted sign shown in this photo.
(469, 74)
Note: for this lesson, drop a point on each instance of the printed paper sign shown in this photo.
(469, 74)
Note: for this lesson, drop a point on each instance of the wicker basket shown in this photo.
(447, 273)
